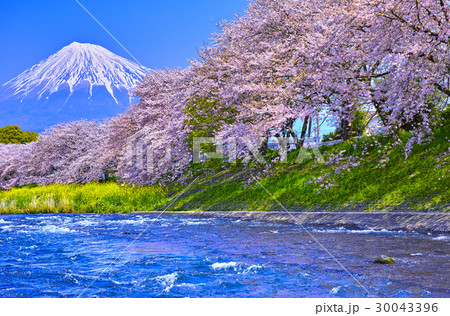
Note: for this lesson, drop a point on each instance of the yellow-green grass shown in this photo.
(87, 198)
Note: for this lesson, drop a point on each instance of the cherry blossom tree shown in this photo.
(66, 153)
(156, 145)
(395, 57)
(14, 165)
(287, 59)
(69, 153)
(253, 61)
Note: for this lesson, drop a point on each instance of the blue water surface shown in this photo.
(144, 255)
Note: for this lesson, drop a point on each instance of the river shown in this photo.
(135, 255)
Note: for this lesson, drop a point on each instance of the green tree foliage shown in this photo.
(13, 134)
(206, 118)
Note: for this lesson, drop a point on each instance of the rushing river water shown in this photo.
(178, 256)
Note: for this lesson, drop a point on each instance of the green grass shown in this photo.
(88, 198)
(419, 183)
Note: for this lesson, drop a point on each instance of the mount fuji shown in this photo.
(81, 81)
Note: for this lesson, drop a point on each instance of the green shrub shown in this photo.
(12, 134)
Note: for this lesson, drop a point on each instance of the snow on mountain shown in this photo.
(81, 81)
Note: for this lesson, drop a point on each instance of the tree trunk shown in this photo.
(264, 146)
(345, 129)
(290, 131)
(309, 129)
(318, 129)
(303, 133)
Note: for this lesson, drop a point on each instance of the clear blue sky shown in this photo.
(159, 33)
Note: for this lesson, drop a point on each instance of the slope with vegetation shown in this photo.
(367, 174)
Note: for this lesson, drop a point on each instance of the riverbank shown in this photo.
(370, 174)
(395, 221)
(365, 175)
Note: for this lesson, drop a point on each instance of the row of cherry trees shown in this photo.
(65, 154)
(281, 61)
(288, 59)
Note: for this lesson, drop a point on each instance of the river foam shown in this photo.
(167, 281)
(239, 267)
(340, 230)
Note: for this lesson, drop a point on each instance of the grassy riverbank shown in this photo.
(88, 198)
(380, 180)
(366, 174)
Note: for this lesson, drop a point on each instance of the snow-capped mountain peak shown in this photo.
(81, 81)
(76, 64)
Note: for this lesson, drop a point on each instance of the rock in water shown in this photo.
(383, 260)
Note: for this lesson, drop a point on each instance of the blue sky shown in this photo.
(160, 34)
